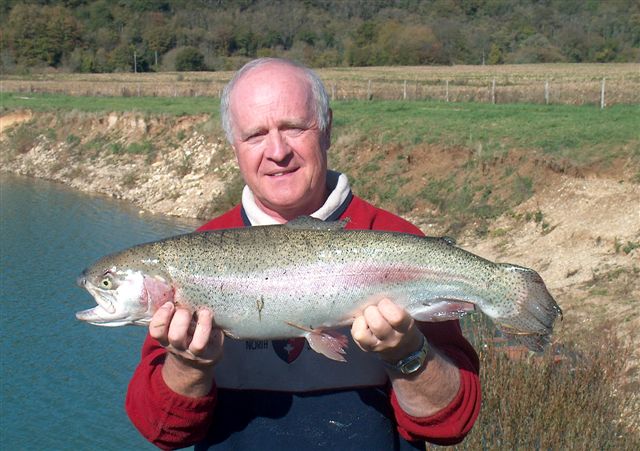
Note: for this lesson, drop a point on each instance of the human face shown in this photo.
(280, 150)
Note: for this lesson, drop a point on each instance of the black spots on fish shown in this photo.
(311, 223)
(534, 310)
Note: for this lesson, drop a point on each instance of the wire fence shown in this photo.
(518, 86)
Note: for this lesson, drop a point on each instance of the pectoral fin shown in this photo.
(442, 310)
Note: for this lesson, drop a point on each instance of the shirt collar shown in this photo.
(340, 195)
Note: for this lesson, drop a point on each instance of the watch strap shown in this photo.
(413, 362)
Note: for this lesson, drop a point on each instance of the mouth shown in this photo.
(282, 173)
(103, 302)
(102, 314)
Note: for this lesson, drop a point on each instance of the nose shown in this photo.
(81, 280)
(277, 147)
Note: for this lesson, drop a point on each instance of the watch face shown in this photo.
(412, 366)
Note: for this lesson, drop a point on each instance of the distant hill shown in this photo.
(167, 35)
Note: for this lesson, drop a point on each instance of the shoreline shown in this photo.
(129, 157)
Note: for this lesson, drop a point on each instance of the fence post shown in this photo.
(333, 91)
(602, 102)
(404, 91)
(546, 92)
(493, 91)
(447, 91)
(369, 94)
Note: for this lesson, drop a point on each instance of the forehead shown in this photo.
(272, 91)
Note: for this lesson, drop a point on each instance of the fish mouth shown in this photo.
(104, 303)
(98, 316)
(105, 313)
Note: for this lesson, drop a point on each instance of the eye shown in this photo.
(294, 131)
(256, 137)
(106, 283)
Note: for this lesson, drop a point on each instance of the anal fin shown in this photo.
(329, 343)
(442, 310)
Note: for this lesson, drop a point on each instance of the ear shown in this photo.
(326, 139)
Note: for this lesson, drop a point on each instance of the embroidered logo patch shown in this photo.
(288, 350)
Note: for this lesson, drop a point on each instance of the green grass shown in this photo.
(581, 134)
(177, 106)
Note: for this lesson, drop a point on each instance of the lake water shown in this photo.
(64, 382)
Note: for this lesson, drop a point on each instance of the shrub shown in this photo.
(190, 59)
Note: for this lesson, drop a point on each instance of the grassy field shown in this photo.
(177, 106)
(574, 84)
(581, 134)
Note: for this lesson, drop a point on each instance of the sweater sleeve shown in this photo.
(450, 425)
(165, 418)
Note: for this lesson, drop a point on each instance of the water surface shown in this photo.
(63, 382)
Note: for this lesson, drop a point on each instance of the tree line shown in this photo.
(164, 35)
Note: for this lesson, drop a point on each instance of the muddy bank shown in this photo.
(166, 165)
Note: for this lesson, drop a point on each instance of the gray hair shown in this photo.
(321, 99)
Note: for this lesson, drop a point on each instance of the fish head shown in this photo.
(125, 293)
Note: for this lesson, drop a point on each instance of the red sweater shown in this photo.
(170, 420)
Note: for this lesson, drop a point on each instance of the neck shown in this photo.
(335, 194)
(284, 214)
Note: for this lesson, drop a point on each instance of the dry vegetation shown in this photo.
(560, 400)
(567, 83)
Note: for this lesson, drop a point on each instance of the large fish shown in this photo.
(308, 277)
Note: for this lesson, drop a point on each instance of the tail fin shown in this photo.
(535, 310)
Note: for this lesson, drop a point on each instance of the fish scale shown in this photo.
(307, 277)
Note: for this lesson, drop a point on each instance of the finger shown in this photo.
(396, 316)
(377, 323)
(159, 324)
(201, 333)
(178, 335)
(362, 335)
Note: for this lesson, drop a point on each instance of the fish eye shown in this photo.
(106, 283)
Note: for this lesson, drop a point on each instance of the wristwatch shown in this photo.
(414, 361)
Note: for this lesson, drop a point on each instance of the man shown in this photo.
(195, 386)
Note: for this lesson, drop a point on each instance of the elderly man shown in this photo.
(404, 382)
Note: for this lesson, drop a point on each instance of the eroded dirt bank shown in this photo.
(164, 165)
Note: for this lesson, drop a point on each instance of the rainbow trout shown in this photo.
(309, 277)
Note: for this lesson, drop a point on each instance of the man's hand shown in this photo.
(387, 329)
(194, 346)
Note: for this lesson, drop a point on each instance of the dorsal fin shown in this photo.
(449, 240)
(311, 223)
